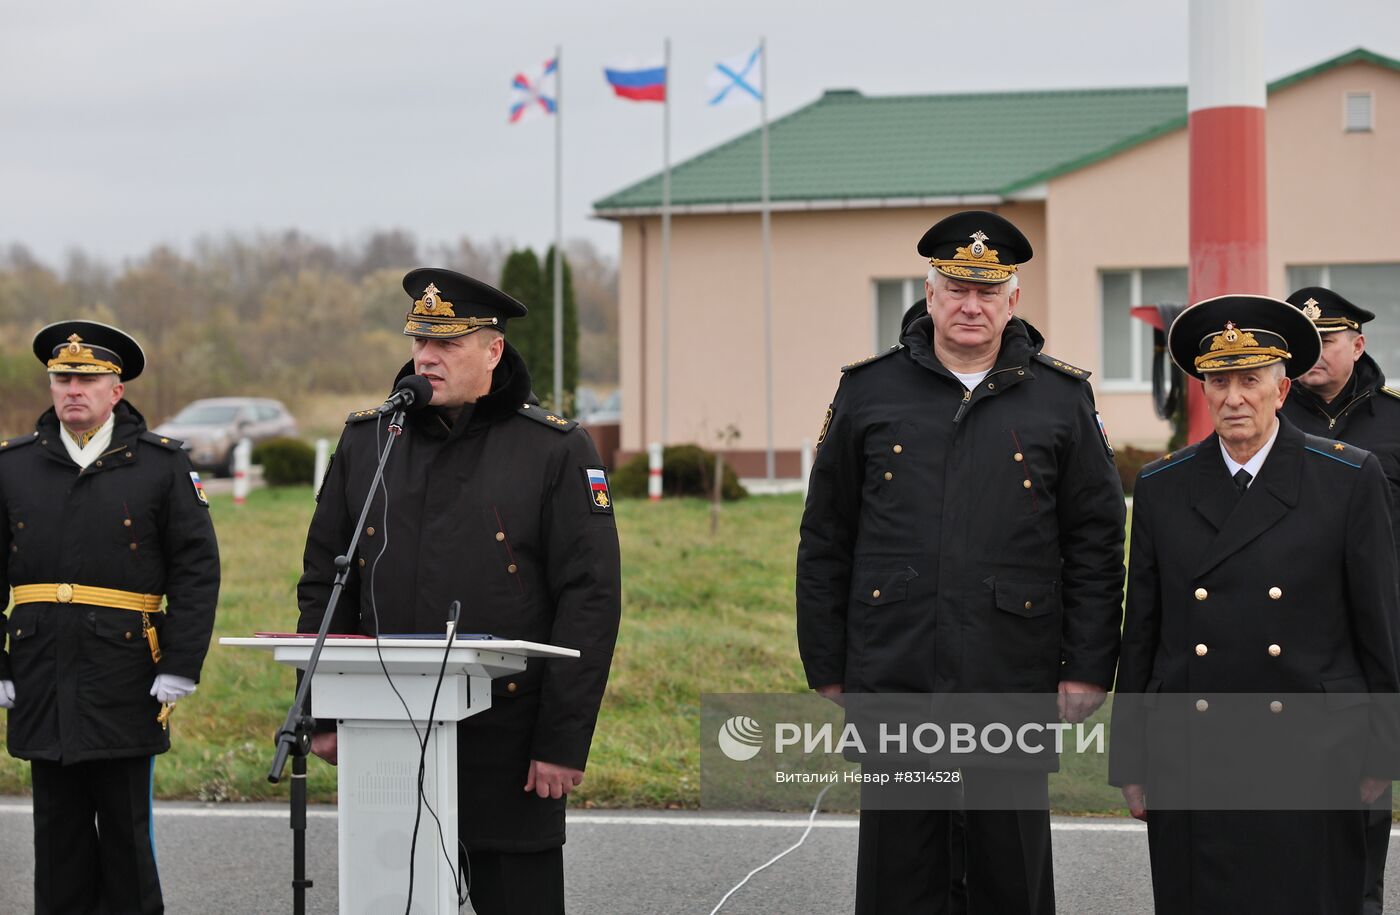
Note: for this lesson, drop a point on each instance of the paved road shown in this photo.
(236, 859)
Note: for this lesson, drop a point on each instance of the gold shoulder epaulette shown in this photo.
(360, 416)
(552, 420)
(164, 441)
(1391, 391)
(10, 444)
(1062, 366)
(859, 363)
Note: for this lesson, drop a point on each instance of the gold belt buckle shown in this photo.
(64, 593)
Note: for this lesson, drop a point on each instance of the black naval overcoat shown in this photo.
(959, 541)
(1365, 414)
(133, 520)
(496, 511)
(1287, 589)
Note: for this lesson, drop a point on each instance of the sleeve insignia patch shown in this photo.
(599, 495)
(198, 488)
(1103, 430)
(826, 424)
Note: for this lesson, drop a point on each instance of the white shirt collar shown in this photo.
(1254, 464)
(96, 446)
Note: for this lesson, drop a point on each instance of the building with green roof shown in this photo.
(1096, 178)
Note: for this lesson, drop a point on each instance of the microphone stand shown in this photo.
(294, 737)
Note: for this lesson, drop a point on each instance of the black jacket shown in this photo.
(1288, 589)
(133, 521)
(959, 541)
(1365, 414)
(494, 510)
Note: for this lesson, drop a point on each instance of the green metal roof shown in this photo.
(848, 147)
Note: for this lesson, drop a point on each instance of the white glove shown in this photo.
(170, 688)
(7, 694)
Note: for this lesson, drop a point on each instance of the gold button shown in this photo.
(898, 449)
(1202, 705)
(888, 475)
(126, 522)
(1201, 650)
(19, 632)
(128, 636)
(44, 442)
(511, 568)
(500, 535)
(369, 531)
(1026, 484)
(510, 687)
(133, 546)
(20, 525)
(98, 463)
(875, 593)
(1275, 651)
(1276, 593)
(14, 548)
(1202, 594)
(1018, 456)
(128, 454)
(1028, 605)
(362, 562)
(1276, 706)
(63, 593)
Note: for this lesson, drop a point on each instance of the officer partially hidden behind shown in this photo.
(493, 501)
(1344, 397)
(106, 540)
(963, 534)
(1262, 562)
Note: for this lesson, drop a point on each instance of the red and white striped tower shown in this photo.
(1226, 97)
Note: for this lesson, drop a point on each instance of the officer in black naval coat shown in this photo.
(1262, 562)
(1344, 397)
(963, 533)
(504, 506)
(101, 523)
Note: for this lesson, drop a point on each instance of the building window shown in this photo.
(892, 299)
(1357, 114)
(1126, 341)
(1374, 287)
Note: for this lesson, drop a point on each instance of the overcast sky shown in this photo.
(124, 124)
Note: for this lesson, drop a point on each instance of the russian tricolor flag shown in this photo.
(639, 84)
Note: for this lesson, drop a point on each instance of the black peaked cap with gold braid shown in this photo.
(448, 304)
(975, 246)
(1234, 332)
(1328, 310)
(88, 348)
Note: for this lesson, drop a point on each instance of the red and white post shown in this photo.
(242, 463)
(1226, 100)
(654, 471)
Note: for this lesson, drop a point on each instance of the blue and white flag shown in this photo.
(736, 80)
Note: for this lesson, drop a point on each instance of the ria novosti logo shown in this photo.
(741, 738)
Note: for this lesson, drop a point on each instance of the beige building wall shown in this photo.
(1333, 198)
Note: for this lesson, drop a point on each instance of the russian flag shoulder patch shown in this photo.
(198, 488)
(599, 495)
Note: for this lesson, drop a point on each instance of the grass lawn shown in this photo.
(701, 614)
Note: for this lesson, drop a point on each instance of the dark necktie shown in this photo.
(1242, 478)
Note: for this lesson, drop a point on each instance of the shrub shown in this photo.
(286, 461)
(1129, 461)
(686, 470)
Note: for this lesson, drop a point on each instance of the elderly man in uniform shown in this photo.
(1261, 562)
(963, 533)
(493, 501)
(101, 523)
(1344, 397)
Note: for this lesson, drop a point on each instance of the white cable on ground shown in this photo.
(816, 805)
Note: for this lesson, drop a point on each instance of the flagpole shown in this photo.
(558, 229)
(666, 247)
(767, 255)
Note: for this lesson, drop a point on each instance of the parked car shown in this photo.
(211, 428)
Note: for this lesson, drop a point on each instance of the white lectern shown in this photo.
(379, 746)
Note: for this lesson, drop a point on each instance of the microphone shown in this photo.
(411, 394)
